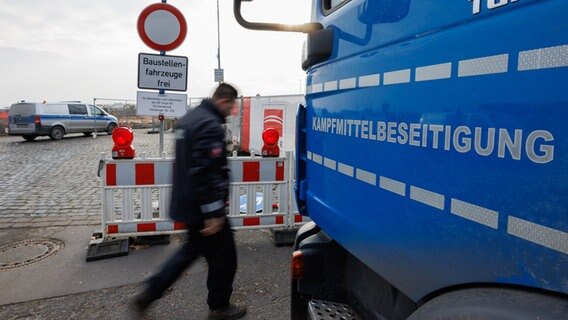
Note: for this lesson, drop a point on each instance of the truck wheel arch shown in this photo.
(493, 303)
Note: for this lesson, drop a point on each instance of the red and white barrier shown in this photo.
(136, 195)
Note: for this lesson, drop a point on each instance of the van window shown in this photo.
(22, 109)
(55, 109)
(96, 111)
(78, 109)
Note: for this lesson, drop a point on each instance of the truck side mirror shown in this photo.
(318, 47)
(304, 28)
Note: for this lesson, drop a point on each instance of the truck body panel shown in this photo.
(433, 144)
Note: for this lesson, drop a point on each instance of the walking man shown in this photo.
(199, 193)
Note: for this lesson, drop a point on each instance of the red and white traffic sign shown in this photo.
(162, 27)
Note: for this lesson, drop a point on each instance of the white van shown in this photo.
(30, 119)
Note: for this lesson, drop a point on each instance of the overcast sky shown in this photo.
(57, 50)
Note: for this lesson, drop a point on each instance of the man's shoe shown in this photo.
(231, 312)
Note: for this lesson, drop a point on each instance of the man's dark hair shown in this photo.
(225, 91)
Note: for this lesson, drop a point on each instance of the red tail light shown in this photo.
(37, 120)
(297, 265)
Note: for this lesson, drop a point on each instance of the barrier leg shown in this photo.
(287, 235)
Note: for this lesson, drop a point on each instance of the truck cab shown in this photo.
(431, 156)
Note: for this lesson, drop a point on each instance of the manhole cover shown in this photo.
(26, 252)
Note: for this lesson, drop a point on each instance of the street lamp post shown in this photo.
(220, 79)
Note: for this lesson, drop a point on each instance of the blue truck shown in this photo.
(432, 157)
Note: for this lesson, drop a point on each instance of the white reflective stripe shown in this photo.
(125, 174)
(349, 83)
(430, 198)
(213, 206)
(271, 220)
(236, 171)
(330, 86)
(366, 176)
(163, 172)
(545, 236)
(308, 89)
(394, 77)
(268, 170)
(545, 58)
(316, 158)
(309, 155)
(236, 222)
(345, 169)
(318, 87)
(483, 66)
(329, 163)
(370, 80)
(392, 186)
(475, 213)
(539, 234)
(164, 226)
(434, 72)
(127, 228)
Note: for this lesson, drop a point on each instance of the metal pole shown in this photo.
(94, 110)
(218, 40)
(161, 136)
(161, 116)
(126, 113)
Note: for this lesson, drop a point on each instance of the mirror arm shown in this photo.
(304, 28)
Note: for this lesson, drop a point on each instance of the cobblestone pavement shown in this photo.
(55, 183)
(48, 183)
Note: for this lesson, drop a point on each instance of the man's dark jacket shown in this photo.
(201, 176)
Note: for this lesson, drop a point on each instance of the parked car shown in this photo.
(30, 119)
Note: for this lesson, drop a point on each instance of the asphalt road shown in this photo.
(49, 187)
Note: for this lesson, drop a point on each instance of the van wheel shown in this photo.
(111, 128)
(57, 133)
(29, 137)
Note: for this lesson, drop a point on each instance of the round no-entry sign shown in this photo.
(162, 27)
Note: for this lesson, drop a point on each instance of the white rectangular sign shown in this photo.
(162, 72)
(171, 105)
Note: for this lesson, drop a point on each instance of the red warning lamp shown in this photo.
(123, 149)
(270, 148)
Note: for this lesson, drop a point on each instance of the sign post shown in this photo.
(162, 27)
